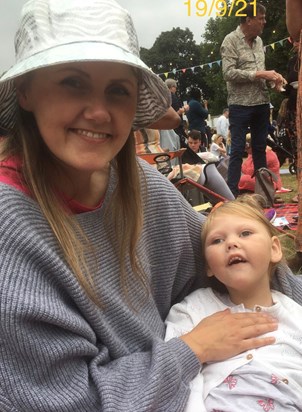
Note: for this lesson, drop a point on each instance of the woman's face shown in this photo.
(84, 111)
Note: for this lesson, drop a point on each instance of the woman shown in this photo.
(88, 270)
(247, 180)
(217, 147)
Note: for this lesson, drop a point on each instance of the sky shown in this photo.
(151, 17)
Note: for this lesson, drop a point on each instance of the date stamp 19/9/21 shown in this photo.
(220, 8)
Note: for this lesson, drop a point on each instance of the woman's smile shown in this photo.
(84, 111)
(97, 136)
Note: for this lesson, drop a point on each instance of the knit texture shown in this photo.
(58, 351)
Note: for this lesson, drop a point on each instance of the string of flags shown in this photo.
(218, 62)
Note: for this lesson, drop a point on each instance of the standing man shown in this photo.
(222, 125)
(197, 114)
(243, 66)
(179, 108)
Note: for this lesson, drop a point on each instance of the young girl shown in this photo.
(95, 245)
(242, 249)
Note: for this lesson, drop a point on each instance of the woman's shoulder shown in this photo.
(151, 177)
(10, 174)
(161, 197)
(18, 211)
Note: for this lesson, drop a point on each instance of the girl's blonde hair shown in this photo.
(26, 143)
(246, 206)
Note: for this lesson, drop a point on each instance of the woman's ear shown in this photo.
(276, 250)
(21, 91)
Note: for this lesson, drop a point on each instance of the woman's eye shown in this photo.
(119, 91)
(73, 82)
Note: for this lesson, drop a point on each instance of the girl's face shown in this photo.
(84, 111)
(239, 252)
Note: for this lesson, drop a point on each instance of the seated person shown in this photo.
(247, 182)
(242, 249)
(217, 147)
(148, 141)
(196, 152)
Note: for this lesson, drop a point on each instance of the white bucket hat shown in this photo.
(52, 32)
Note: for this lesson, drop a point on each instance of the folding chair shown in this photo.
(184, 184)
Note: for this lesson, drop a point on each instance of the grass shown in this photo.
(290, 182)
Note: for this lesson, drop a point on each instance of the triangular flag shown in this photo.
(272, 46)
(166, 74)
(193, 69)
(210, 65)
(183, 70)
(174, 71)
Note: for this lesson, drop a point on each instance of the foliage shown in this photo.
(176, 49)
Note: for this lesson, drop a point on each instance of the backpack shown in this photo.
(264, 186)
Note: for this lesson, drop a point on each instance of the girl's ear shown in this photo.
(209, 273)
(276, 250)
(21, 91)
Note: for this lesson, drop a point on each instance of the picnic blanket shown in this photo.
(286, 212)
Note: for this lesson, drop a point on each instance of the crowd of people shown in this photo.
(97, 246)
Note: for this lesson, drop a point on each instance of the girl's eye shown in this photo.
(216, 241)
(246, 233)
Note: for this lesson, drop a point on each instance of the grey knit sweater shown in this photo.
(58, 351)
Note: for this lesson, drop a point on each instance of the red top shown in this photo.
(10, 175)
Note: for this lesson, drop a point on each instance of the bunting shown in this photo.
(218, 62)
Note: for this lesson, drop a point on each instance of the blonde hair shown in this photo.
(215, 137)
(246, 206)
(283, 108)
(125, 208)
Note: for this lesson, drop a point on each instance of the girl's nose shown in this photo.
(232, 243)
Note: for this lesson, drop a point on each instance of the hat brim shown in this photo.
(154, 97)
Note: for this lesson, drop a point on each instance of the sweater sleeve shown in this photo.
(59, 352)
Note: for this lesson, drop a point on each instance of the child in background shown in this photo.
(242, 248)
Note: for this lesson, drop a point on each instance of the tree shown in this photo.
(175, 52)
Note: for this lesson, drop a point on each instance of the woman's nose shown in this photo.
(97, 110)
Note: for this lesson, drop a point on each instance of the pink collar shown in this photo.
(10, 174)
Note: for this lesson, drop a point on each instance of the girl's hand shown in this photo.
(225, 334)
